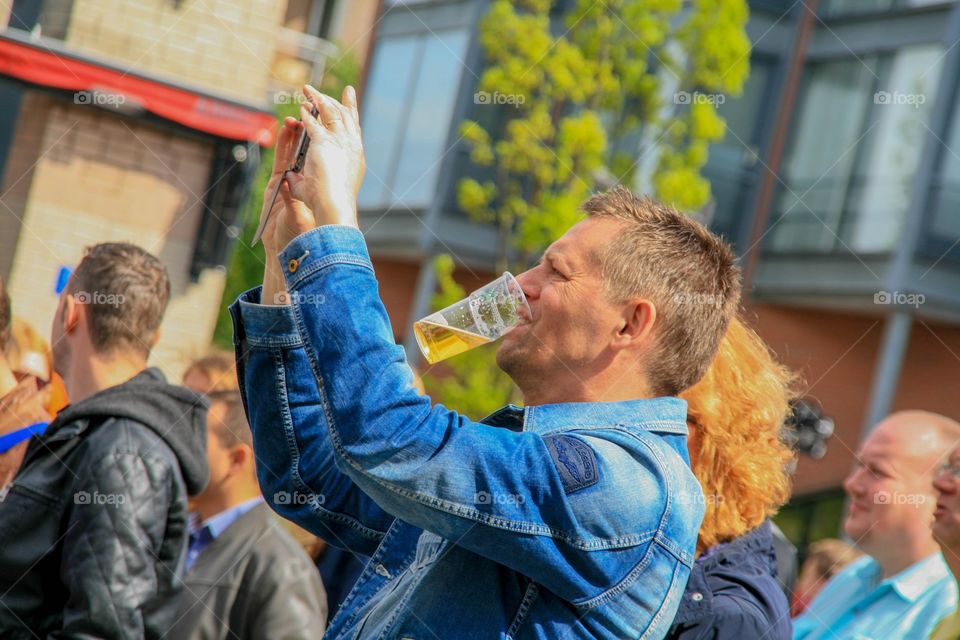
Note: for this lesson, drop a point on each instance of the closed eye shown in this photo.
(552, 268)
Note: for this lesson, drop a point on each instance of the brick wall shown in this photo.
(225, 46)
(836, 353)
(84, 176)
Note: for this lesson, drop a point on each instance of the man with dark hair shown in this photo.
(574, 517)
(248, 577)
(93, 529)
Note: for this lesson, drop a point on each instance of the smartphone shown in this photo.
(302, 147)
(296, 168)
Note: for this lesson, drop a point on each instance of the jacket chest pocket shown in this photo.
(429, 546)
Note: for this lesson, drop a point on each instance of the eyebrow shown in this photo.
(554, 256)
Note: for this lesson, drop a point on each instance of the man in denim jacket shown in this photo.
(574, 517)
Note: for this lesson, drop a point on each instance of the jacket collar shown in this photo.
(912, 582)
(663, 415)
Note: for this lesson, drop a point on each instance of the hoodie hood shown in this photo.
(176, 414)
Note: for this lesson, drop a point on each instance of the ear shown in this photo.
(70, 317)
(638, 320)
(241, 456)
(156, 337)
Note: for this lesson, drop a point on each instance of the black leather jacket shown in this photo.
(93, 528)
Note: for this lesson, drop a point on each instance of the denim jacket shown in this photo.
(560, 521)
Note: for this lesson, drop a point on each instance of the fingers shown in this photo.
(328, 109)
(315, 130)
(286, 195)
(333, 114)
(349, 100)
(286, 141)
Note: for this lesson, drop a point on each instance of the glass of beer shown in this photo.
(482, 317)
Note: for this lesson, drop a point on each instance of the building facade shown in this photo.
(142, 121)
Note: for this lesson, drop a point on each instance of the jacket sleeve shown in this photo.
(296, 468)
(494, 491)
(109, 558)
(734, 621)
(290, 602)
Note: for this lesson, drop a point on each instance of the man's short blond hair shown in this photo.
(689, 274)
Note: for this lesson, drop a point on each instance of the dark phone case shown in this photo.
(302, 148)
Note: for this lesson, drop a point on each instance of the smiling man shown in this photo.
(574, 517)
(902, 587)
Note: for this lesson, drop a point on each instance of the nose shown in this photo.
(944, 481)
(529, 284)
(852, 484)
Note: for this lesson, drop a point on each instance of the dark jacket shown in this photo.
(93, 528)
(733, 593)
(253, 581)
(339, 570)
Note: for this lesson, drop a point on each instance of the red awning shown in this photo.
(38, 63)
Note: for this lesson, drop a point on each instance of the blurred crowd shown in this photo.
(195, 552)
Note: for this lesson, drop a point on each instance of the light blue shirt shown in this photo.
(855, 605)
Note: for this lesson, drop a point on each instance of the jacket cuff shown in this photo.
(261, 324)
(322, 247)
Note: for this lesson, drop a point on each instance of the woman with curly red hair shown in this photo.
(735, 414)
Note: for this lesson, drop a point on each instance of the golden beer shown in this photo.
(439, 342)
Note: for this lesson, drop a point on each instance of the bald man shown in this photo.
(902, 587)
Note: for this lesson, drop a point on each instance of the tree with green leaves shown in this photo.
(572, 89)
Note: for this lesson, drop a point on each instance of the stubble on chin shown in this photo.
(946, 532)
(511, 361)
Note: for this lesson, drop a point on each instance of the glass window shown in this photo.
(855, 146)
(731, 166)
(880, 195)
(425, 134)
(383, 113)
(840, 7)
(413, 86)
(806, 519)
(945, 201)
(819, 165)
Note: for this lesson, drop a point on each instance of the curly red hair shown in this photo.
(737, 411)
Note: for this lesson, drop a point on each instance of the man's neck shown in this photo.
(595, 390)
(228, 499)
(907, 556)
(7, 380)
(615, 379)
(90, 376)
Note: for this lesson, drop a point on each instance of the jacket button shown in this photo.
(381, 570)
(697, 597)
(293, 265)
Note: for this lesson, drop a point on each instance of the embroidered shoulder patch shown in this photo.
(575, 460)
